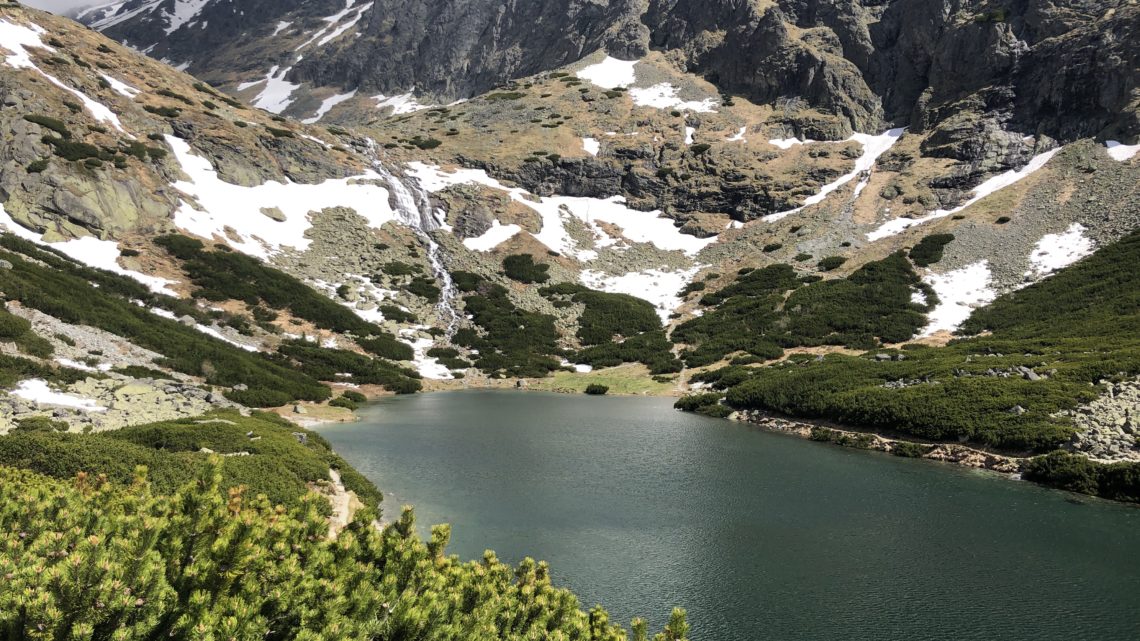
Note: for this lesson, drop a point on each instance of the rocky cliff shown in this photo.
(967, 68)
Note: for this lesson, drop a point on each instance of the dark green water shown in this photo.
(759, 536)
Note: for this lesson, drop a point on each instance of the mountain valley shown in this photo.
(905, 226)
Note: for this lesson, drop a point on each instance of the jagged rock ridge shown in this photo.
(1063, 68)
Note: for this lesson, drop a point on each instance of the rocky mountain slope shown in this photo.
(1063, 68)
(646, 222)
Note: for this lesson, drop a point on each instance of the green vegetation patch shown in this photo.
(767, 310)
(616, 329)
(1076, 473)
(1072, 331)
(279, 460)
(204, 561)
(522, 268)
(511, 342)
(929, 250)
(47, 122)
(224, 275)
(327, 364)
(79, 295)
(831, 263)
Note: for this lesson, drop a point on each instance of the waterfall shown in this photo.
(413, 206)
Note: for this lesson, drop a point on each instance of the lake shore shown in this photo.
(624, 380)
(942, 452)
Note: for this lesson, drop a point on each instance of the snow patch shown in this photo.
(665, 96)
(83, 367)
(959, 292)
(581, 369)
(995, 184)
(401, 104)
(182, 11)
(592, 146)
(1057, 251)
(210, 331)
(636, 226)
(738, 136)
(328, 104)
(660, 287)
(689, 133)
(233, 212)
(37, 391)
(427, 366)
(788, 143)
(281, 26)
(1121, 152)
(120, 87)
(492, 238)
(610, 73)
(332, 21)
(277, 94)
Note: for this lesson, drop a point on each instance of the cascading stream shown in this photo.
(415, 210)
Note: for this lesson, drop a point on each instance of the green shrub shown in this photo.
(139, 371)
(756, 315)
(692, 288)
(355, 397)
(693, 402)
(327, 364)
(929, 251)
(700, 148)
(771, 247)
(177, 96)
(511, 341)
(40, 424)
(222, 275)
(385, 345)
(426, 143)
(47, 122)
(165, 112)
(12, 326)
(345, 402)
(1080, 325)
(594, 389)
(33, 344)
(203, 553)
(907, 449)
(1075, 473)
(397, 268)
(606, 315)
(72, 150)
(522, 268)
(397, 315)
(280, 133)
(424, 287)
(37, 166)
(830, 263)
